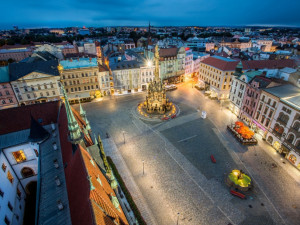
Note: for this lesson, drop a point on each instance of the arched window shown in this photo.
(27, 172)
(291, 138)
(296, 126)
(270, 139)
(278, 129)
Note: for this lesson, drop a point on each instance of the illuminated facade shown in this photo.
(80, 78)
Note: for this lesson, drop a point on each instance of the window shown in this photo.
(28, 96)
(290, 139)
(263, 98)
(53, 92)
(267, 122)
(271, 113)
(10, 177)
(51, 85)
(9, 206)
(39, 87)
(4, 167)
(27, 172)
(257, 116)
(7, 92)
(19, 193)
(266, 110)
(45, 86)
(19, 156)
(36, 152)
(3, 102)
(6, 221)
(1, 193)
(41, 94)
(10, 100)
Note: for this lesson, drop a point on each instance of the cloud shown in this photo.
(160, 12)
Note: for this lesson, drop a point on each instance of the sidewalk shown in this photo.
(112, 151)
(262, 145)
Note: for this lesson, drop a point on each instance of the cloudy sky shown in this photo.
(61, 13)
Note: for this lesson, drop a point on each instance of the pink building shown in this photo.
(7, 95)
(251, 97)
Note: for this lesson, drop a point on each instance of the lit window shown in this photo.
(4, 167)
(19, 193)
(19, 156)
(10, 177)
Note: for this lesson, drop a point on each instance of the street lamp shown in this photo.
(178, 218)
(124, 135)
(143, 167)
(149, 63)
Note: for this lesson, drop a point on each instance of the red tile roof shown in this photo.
(92, 207)
(247, 65)
(168, 52)
(16, 119)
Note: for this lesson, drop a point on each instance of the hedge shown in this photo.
(128, 196)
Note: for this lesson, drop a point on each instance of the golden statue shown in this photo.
(156, 100)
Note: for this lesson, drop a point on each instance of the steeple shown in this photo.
(83, 115)
(75, 135)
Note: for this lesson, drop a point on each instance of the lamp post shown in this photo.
(178, 218)
(143, 167)
(124, 135)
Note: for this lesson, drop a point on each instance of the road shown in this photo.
(179, 176)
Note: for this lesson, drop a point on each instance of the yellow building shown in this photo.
(80, 78)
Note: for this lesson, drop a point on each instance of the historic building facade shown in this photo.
(80, 78)
(237, 90)
(172, 64)
(35, 82)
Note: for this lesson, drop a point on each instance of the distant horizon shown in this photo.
(146, 25)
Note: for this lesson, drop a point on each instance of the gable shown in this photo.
(34, 75)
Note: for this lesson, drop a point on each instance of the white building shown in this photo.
(188, 62)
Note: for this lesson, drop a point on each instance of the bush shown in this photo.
(133, 206)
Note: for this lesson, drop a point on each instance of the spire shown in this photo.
(95, 142)
(75, 135)
(83, 115)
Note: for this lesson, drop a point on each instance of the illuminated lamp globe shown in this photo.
(149, 63)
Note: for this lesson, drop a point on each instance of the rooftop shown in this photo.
(20, 69)
(292, 101)
(51, 192)
(226, 64)
(79, 63)
(223, 58)
(284, 91)
(44, 113)
(4, 75)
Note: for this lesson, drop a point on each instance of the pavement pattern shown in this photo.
(178, 174)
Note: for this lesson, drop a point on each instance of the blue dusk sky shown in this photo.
(62, 13)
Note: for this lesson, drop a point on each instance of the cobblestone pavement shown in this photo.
(178, 175)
